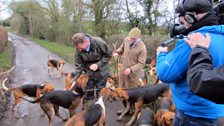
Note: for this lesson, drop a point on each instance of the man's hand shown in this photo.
(93, 67)
(198, 39)
(161, 49)
(127, 71)
(115, 55)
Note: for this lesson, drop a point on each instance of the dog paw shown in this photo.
(25, 115)
(119, 118)
(64, 119)
(119, 112)
(17, 116)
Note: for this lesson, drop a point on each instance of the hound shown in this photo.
(146, 117)
(31, 90)
(95, 114)
(138, 97)
(70, 100)
(57, 64)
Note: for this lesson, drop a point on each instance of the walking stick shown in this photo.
(115, 63)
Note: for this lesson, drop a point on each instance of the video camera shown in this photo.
(176, 29)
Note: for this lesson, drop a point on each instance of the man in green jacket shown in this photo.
(92, 57)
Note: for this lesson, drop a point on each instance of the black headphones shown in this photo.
(190, 17)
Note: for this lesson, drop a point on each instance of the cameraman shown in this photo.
(192, 110)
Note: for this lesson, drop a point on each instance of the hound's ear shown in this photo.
(163, 121)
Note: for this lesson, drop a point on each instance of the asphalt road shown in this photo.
(31, 67)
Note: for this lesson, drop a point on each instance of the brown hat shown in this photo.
(134, 33)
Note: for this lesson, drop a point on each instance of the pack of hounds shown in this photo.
(135, 100)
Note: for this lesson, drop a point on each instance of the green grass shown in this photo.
(6, 57)
(66, 52)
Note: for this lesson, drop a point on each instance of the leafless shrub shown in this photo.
(3, 38)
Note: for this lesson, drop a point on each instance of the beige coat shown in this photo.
(134, 58)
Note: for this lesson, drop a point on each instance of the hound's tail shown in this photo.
(48, 57)
(4, 86)
(7, 72)
(30, 101)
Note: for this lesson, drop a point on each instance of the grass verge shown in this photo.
(6, 58)
(63, 51)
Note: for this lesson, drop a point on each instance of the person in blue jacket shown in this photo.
(172, 67)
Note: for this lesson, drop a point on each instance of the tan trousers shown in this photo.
(129, 81)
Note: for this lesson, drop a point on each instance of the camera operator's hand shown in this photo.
(161, 49)
(198, 39)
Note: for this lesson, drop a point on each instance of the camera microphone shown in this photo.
(176, 29)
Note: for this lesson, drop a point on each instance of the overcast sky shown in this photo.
(6, 13)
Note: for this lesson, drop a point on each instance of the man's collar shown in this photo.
(135, 42)
(88, 48)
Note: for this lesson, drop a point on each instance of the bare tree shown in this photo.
(147, 7)
(3, 4)
(100, 10)
(156, 14)
(52, 13)
(133, 17)
(174, 14)
(114, 20)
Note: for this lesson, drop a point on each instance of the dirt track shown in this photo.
(30, 61)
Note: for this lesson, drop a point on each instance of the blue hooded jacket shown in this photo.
(172, 68)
